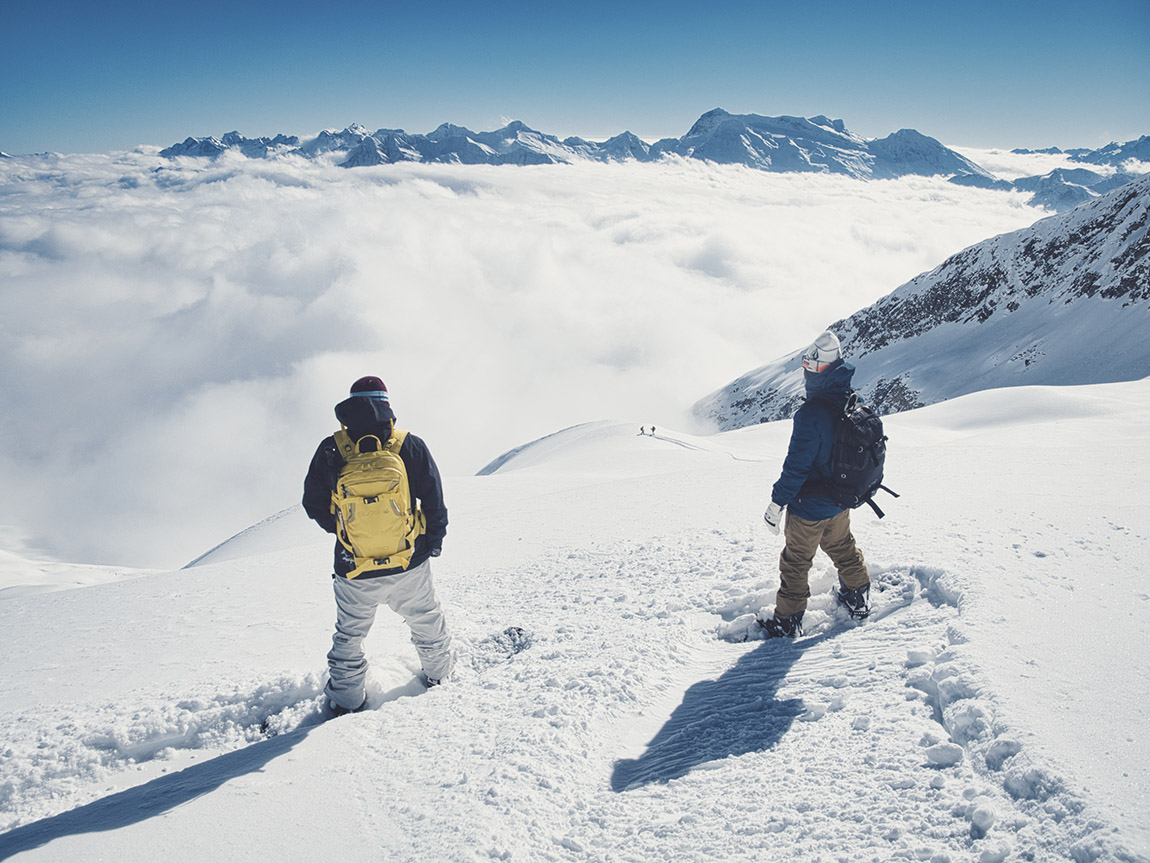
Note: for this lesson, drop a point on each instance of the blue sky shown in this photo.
(92, 77)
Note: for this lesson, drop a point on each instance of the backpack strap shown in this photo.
(395, 442)
(870, 500)
(344, 443)
(347, 447)
(394, 445)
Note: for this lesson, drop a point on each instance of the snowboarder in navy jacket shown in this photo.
(814, 522)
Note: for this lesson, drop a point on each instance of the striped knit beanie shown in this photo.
(371, 387)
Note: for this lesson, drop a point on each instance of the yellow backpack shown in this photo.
(377, 519)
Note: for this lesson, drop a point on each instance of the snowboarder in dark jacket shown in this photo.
(812, 521)
(406, 590)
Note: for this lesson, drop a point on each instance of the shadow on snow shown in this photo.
(134, 805)
(734, 715)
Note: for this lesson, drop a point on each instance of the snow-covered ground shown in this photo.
(21, 575)
(993, 709)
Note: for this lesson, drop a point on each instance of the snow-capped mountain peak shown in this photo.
(822, 120)
(910, 152)
(444, 131)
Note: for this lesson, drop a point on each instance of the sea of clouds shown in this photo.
(175, 334)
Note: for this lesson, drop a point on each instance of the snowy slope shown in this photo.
(1065, 301)
(173, 716)
(21, 575)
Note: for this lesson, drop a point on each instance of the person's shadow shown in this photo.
(150, 799)
(734, 715)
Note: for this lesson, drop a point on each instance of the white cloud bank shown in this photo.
(176, 334)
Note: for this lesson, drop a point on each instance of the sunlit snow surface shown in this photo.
(994, 709)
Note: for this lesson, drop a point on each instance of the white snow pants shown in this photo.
(411, 595)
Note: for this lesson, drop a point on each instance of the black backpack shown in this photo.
(857, 458)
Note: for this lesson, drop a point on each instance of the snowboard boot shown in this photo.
(856, 600)
(429, 682)
(337, 710)
(783, 627)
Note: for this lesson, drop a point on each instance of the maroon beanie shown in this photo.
(371, 387)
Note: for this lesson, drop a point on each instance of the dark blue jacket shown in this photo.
(809, 454)
(364, 416)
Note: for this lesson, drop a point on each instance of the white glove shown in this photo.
(773, 516)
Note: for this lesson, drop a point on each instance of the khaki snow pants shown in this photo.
(411, 595)
(804, 538)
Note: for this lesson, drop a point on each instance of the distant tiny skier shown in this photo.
(812, 521)
(642, 430)
(379, 491)
(652, 431)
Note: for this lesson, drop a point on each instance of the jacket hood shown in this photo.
(835, 382)
(360, 413)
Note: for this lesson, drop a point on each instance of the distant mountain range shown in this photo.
(1060, 190)
(1112, 154)
(1065, 301)
(1066, 188)
(779, 144)
(818, 144)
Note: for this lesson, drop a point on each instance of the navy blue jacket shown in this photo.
(364, 416)
(809, 454)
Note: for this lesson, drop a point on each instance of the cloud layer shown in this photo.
(175, 334)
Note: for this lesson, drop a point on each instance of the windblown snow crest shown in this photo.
(1065, 301)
